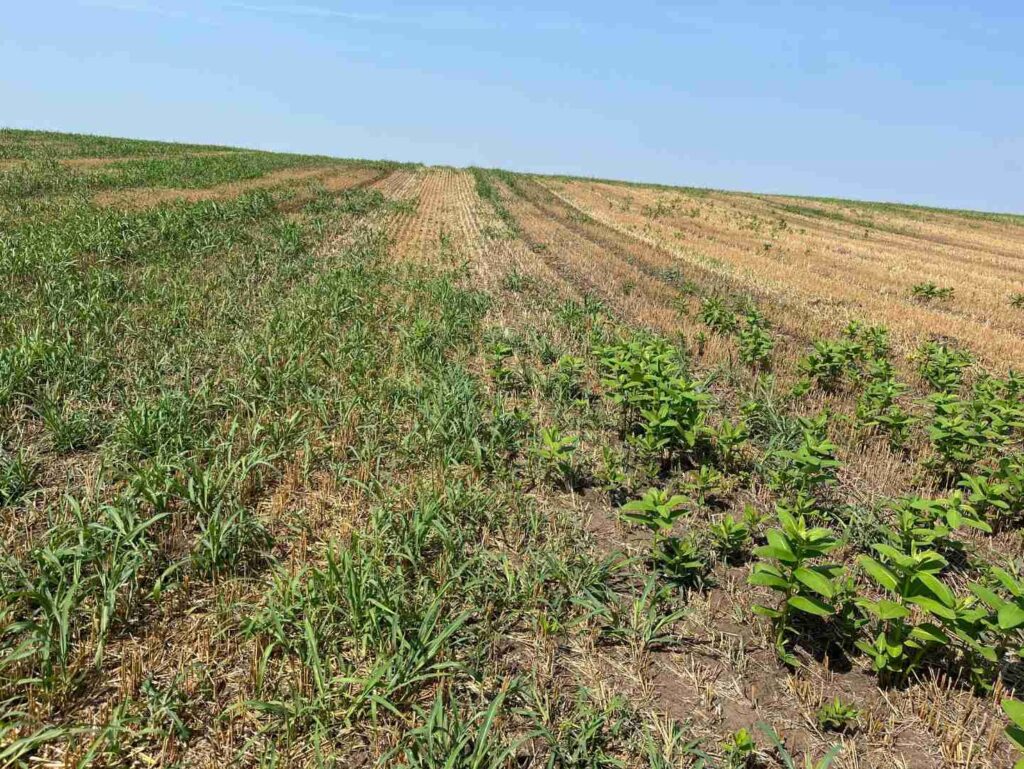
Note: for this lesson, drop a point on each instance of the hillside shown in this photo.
(325, 462)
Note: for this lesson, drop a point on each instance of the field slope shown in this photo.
(320, 462)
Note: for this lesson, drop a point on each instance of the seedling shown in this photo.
(730, 539)
(657, 510)
(830, 361)
(739, 750)
(498, 353)
(612, 475)
(756, 346)
(878, 409)
(557, 453)
(812, 465)
(838, 716)
(731, 438)
(678, 560)
(787, 758)
(707, 485)
(929, 291)
(718, 316)
(941, 366)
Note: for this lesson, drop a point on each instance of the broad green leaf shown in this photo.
(780, 544)
(1011, 615)
(811, 605)
(816, 581)
(1007, 581)
(891, 642)
(881, 574)
(931, 605)
(1015, 710)
(769, 551)
(930, 633)
(894, 555)
(765, 611)
(988, 597)
(938, 589)
(763, 578)
(887, 610)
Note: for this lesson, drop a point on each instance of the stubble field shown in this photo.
(319, 462)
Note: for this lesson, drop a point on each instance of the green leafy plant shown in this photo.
(899, 643)
(878, 409)
(987, 494)
(498, 353)
(557, 455)
(680, 560)
(873, 339)
(730, 539)
(787, 566)
(739, 750)
(645, 622)
(756, 346)
(707, 484)
(1014, 710)
(958, 438)
(18, 473)
(718, 316)
(731, 437)
(565, 383)
(837, 716)
(992, 630)
(831, 361)
(448, 738)
(657, 510)
(502, 437)
(812, 465)
(928, 291)
(663, 413)
(941, 366)
(69, 429)
(923, 523)
(612, 476)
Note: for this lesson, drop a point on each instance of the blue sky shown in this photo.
(909, 101)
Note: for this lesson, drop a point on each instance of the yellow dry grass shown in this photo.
(331, 178)
(840, 261)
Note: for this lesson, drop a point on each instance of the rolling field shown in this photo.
(308, 462)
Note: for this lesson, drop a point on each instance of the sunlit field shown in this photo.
(311, 462)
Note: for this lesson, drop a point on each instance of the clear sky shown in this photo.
(907, 100)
